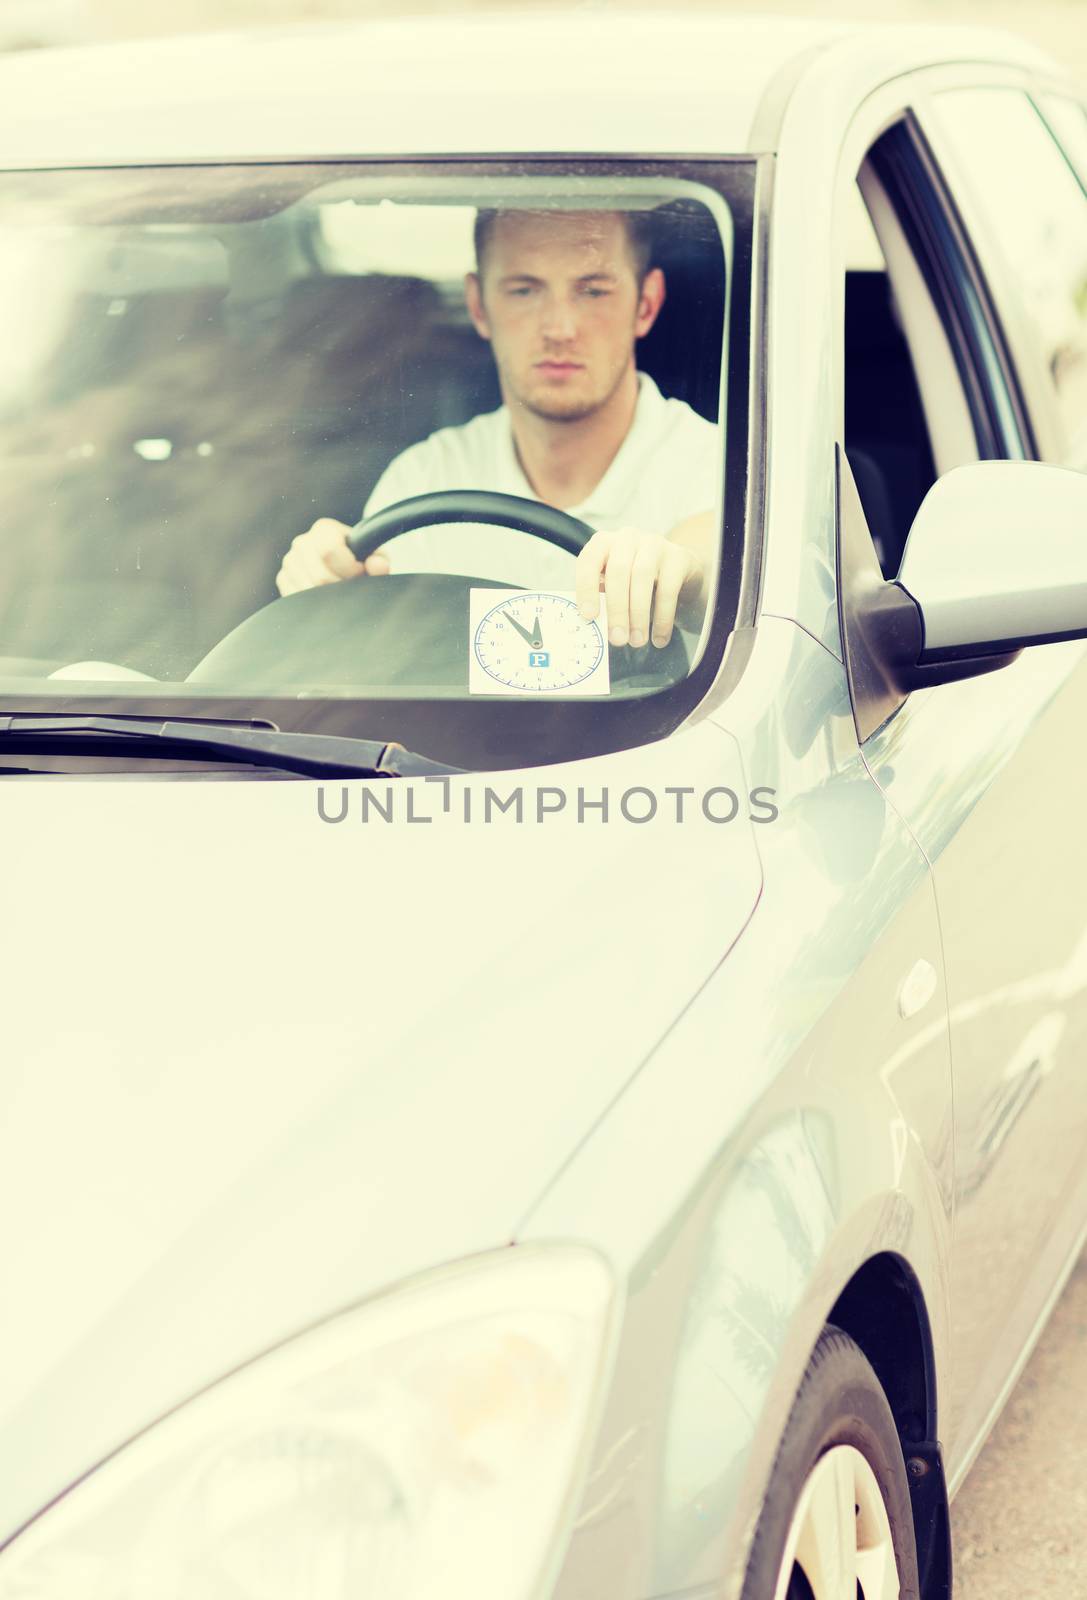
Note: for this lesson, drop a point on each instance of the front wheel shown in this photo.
(836, 1523)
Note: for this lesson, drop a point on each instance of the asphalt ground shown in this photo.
(1018, 1522)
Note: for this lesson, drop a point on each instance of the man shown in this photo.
(562, 297)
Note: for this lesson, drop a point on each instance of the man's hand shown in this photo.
(321, 556)
(632, 565)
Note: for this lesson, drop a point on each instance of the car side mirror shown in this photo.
(996, 559)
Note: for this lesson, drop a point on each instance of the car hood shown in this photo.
(259, 1065)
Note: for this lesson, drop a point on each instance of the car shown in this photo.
(543, 1118)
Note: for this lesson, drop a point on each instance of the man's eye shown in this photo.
(521, 292)
(596, 294)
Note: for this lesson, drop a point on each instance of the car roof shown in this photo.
(585, 82)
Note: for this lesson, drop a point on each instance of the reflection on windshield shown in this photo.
(202, 367)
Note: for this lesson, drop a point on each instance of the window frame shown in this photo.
(925, 208)
(942, 248)
(1040, 401)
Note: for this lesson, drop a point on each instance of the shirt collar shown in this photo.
(610, 494)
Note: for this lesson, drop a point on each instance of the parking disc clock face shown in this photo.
(536, 642)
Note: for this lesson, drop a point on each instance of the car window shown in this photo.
(200, 363)
(886, 438)
(926, 381)
(1035, 211)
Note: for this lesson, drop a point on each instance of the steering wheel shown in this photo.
(407, 629)
(469, 505)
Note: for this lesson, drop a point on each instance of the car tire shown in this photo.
(840, 1441)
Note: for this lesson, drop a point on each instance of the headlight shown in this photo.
(424, 1446)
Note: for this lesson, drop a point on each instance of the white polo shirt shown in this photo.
(667, 468)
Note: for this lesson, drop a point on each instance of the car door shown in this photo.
(982, 769)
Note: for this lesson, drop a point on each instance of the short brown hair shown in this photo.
(639, 227)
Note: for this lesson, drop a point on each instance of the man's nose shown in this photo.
(559, 321)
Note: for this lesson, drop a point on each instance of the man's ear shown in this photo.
(650, 300)
(473, 295)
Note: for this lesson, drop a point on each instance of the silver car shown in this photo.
(543, 1118)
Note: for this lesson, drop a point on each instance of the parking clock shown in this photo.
(527, 642)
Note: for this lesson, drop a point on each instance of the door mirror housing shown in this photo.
(996, 559)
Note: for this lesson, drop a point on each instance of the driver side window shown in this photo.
(887, 440)
(922, 392)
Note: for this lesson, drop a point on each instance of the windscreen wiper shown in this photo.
(261, 744)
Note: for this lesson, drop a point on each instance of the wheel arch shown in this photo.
(883, 1310)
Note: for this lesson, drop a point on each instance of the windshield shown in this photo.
(221, 385)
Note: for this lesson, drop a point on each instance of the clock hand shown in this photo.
(525, 635)
(537, 636)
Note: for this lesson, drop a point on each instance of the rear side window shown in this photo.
(1035, 210)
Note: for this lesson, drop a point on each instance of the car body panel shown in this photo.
(466, 85)
(793, 1124)
(971, 766)
(475, 85)
(203, 1150)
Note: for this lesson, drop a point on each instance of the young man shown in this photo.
(562, 297)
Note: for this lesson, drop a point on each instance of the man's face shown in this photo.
(559, 300)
